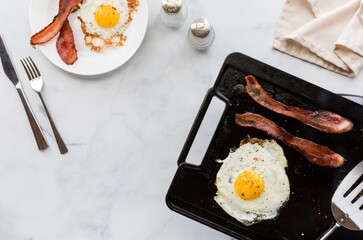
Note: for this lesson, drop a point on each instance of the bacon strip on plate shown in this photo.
(65, 43)
(322, 120)
(50, 31)
(317, 154)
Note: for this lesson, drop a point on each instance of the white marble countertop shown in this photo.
(124, 129)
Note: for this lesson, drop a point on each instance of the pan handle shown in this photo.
(197, 123)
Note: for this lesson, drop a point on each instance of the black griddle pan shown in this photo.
(307, 214)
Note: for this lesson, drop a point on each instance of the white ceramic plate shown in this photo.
(89, 62)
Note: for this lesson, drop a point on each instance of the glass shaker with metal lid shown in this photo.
(173, 12)
(201, 34)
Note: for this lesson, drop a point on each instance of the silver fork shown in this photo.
(36, 82)
(347, 202)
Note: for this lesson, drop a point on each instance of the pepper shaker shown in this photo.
(201, 34)
(173, 12)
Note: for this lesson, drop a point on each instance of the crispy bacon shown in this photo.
(315, 153)
(65, 43)
(322, 120)
(50, 31)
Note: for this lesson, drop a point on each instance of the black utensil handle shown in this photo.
(41, 142)
(198, 121)
(61, 145)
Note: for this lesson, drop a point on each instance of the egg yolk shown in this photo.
(107, 16)
(248, 185)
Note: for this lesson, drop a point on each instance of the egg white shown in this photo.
(268, 160)
(88, 9)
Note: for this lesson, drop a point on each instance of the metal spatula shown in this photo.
(347, 202)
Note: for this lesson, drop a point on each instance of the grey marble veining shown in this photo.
(124, 129)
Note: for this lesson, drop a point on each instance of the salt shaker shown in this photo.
(201, 34)
(173, 12)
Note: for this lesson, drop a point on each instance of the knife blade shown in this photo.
(11, 74)
(7, 65)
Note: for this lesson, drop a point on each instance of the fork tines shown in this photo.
(30, 68)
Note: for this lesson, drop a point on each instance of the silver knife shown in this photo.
(11, 74)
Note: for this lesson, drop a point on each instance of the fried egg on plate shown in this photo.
(252, 183)
(104, 22)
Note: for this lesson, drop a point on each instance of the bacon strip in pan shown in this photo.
(322, 120)
(65, 43)
(315, 153)
(53, 28)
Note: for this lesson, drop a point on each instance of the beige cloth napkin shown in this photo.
(328, 33)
